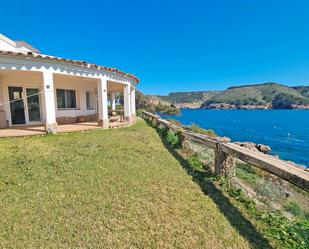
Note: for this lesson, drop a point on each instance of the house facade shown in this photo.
(42, 89)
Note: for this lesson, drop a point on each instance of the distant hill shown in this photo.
(303, 90)
(156, 100)
(264, 96)
(258, 96)
(188, 99)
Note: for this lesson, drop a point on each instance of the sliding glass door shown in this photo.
(33, 103)
(24, 105)
(17, 106)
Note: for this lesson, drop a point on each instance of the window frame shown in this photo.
(66, 98)
(91, 100)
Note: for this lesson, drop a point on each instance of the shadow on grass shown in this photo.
(244, 227)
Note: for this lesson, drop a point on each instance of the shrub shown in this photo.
(173, 138)
(195, 162)
(247, 173)
(270, 190)
(197, 129)
(139, 112)
(247, 167)
(175, 122)
(288, 234)
(167, 109)
(162, 130)
(293, 208)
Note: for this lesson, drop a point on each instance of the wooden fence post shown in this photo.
(224, 163)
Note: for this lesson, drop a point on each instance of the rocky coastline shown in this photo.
(225, 106)
(266, 150)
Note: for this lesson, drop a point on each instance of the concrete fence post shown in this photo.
(185, 143)
(224, 163)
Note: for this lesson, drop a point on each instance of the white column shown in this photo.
(133, 111)
(113, 100)
(127, 103)
(102, 102)
(49, 102)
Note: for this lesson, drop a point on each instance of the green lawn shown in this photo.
(106, 189)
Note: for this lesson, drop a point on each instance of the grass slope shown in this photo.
(104, 189)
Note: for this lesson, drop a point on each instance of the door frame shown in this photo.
(26, 109)
(20, 90)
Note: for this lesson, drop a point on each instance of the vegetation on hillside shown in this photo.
(188, 97)
(269, 95)
(287, 101)
(276, 95)
(154, 104)
(303, 90)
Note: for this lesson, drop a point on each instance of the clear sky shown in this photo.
(172, 45)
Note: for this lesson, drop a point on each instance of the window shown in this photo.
(66, 98)
(90, 100)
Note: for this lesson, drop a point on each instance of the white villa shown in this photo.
(38, 89)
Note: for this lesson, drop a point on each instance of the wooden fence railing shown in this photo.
(225, 152)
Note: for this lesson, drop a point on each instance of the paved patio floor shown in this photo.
(19, 131)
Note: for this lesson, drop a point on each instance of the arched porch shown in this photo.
(30, 100)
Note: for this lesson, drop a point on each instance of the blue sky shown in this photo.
(172, 45)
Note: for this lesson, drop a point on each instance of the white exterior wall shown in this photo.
(80, 87)
(28, 72)
(133, 111)
(7, 44)
(35, 80)
(48, 96)
(19, 80)
(1, 96)
(127, 102)
(102, 102)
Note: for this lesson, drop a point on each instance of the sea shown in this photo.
(285, 131)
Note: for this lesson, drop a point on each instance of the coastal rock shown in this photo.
(301, 107)
(227, 106)
(255, 147)
(264, 148)
(248, 145)
(297, 165)
(225, 139)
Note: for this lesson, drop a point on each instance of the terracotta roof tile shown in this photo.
(75, 62)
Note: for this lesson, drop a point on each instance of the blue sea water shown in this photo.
(285, 131)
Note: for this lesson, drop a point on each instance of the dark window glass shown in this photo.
(33, 104)
(71, 99)
(60, 98)
(66, 98)
(89, 100)
(17, 105)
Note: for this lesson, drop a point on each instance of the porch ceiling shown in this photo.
(114, 86)
(62, 78)
(37, 77)
(111, 85)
